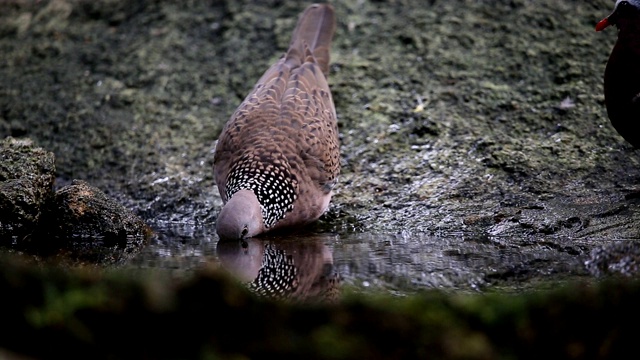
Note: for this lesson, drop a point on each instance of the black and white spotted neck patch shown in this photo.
(278, 275)
(270, 178)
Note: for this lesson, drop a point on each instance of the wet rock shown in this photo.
(27, 174)
(615, 258)
(85, 223)
(78, 221)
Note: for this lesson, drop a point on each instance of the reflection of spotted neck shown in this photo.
(278, 276)
(272, 182)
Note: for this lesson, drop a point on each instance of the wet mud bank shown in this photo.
(459, 116)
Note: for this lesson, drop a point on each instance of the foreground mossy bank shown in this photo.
(51, 312)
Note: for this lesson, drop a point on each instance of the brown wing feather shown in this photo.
(290, 109)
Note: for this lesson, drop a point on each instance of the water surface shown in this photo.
(310, 264)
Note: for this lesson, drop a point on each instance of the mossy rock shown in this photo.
(84, 223)
(27, 174)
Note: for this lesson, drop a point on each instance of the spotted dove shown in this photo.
(622, 73)
(277, 158)
(288, 269)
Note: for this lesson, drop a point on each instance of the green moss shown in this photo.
(59, 309)
(93, 313)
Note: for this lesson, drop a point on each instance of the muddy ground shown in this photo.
(481, 117)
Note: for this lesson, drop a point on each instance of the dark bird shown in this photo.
(277, 158)
(622, 73)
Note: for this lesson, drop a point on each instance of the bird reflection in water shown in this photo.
(291, 268)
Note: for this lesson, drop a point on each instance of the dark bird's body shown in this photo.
(622, 73)
(277, 158)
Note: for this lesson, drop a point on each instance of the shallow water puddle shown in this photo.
(315, 264)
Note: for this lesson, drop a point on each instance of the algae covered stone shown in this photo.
(27, 174)
(84, 221)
